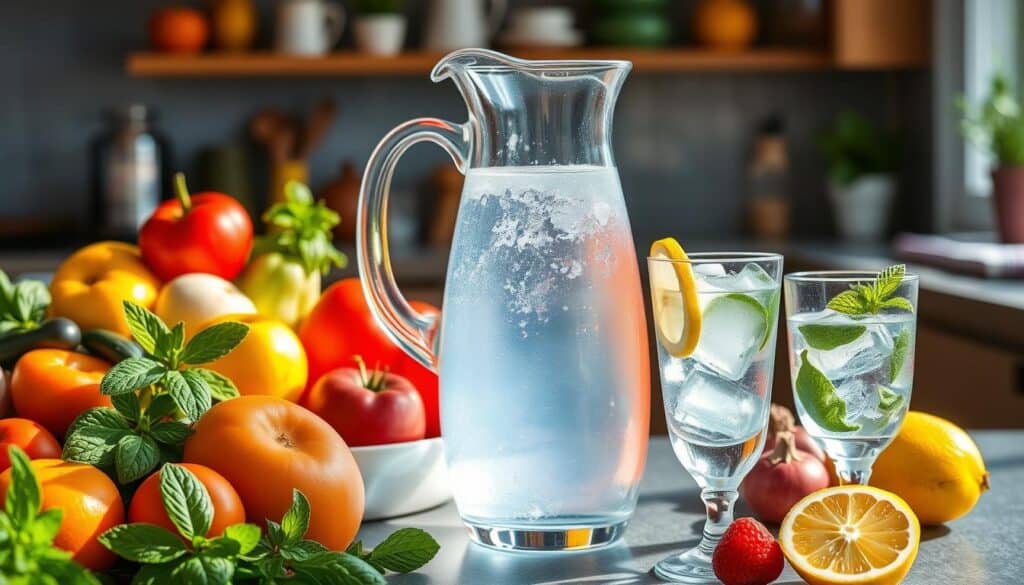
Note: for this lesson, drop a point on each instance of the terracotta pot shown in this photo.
(1008, 198)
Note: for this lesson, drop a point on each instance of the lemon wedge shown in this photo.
(677, 317)
(851, 535)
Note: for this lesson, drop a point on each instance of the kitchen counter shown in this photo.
(982, 548)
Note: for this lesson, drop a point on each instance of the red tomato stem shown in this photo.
(374, 380)
(181, 190)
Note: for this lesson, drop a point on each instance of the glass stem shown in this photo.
(719, 504)
(854, 471)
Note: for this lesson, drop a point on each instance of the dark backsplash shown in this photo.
(682, 141)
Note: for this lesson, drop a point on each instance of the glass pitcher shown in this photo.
(541, 350)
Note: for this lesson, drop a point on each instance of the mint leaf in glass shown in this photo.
(870, 299)
(900, 349)
(819, 398)
(828, 337)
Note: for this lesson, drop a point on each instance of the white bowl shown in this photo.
(403, 478)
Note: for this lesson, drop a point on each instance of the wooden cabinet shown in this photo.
(880, 34)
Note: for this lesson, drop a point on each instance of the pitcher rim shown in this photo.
(504, 62)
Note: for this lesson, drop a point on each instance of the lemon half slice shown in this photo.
(851, 535)
(677, 316)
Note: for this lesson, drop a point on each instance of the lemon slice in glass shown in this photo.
(677, 316)
(851, 535)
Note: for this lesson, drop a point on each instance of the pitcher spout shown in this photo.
(455, 64)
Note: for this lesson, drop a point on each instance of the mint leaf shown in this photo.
(274, 533)
(295, 521)
(302, 550)
(828, 337)
(337, 567)
(897, 303)
(849, 302)
(159, 407)
(221, 387)
(214, 342)
(202, 570)
(128, 405)
(101, 417)
(143, 543)
(189, 392)
(170, 432)
(147, 329)
(176, 340)
(45, 527)
(93, 437)
(888, 401)
(24, 496)
(405, 551)
(63, 570)
(186, 501)
(888, 280)
(820, 399)
(130, 375)
(900, 348)
(246, 535)
(222, 546)
(134, 457)
(155, 574)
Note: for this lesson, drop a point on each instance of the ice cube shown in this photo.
(730, 336)
(709, 269)
(753, 277)
(707, 401)
(870, 352)
(861, 398)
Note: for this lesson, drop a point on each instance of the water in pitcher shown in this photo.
(545, 414)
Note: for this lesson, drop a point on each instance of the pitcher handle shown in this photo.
(409, 329)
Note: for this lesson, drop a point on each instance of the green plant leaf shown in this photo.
(274, 533)
(820, 399)
(203, 570)
(828, 337)
(176, 340)
(24, 496)
(337, 568)
(189, 392)
(147, 329)
(130, 375)
(128, 405)
(222, 546)
(63, 571)
(900, 349)
(221, 387)
(295, 521)
(899, 303)
(94, 436)
(214, 342)
(404, 551)
(170, 432)
(849, 302)
(302, 550)
(888, 401)
(143, 543)
(134, 457)
(246, 535)
(888, 281)
(186, 501)
(160, 406)
(100, 417)
(45, 527)
(156, 574)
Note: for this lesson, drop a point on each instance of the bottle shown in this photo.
(769, 204)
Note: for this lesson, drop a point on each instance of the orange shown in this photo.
(267, 446)
(147, 504)
(33, 438)
(270, 360)
(725, 24)
(178, 29)
(53, 386)
(91, 506)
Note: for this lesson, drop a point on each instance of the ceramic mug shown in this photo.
(308, 27)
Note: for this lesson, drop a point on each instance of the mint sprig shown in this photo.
(871, 299)
(190, 556)
(22, 305)
(300, 229)
(156, 398)
(27, 553)
(284, 555)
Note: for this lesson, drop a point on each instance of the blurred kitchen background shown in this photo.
(826, 129)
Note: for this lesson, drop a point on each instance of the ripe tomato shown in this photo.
(268, 446)
(147, 504)
(90, 502)
(209, 232)
(34, 440)
(368, 408)
(54, 386)
(341, 327)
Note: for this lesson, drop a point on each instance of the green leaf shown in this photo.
(147, 329)
(221, 387)
(176, 340)
(130, 375)
(94, 442)
(274, 533)
(405, 551)
(127, 404)
(170, 432)
(186, 501)
(302, 550)
(899, 303)
(222, 546)
(295, 521)
(134, 457)
(820, 399)
(203, 570)
(45, 527)
(337, 568)
(63, 571)
(24, 496)
(189, 392)
(900, 348)
(143, 543)
(356, 548)
(849, 302)
(888, 280)
(246, 535)
(156, 574)
(888, 401)
(100, 417)
(828, 337)
(214, 342)
(159, 407)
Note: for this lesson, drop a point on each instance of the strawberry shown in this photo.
(747, 555)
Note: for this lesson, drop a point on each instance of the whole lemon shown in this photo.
(933, 465)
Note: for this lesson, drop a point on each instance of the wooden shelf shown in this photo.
(420, 63)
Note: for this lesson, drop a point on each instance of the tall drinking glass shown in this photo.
(716, 315)
(851, 342)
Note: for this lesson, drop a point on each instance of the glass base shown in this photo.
(692, 566)
(540, 539)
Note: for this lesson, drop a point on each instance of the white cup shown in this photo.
(308, 27)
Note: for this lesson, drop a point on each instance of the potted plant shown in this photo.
(380, 26)
(998, 126)
(862, 161)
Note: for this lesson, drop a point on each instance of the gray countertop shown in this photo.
(982, 548)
